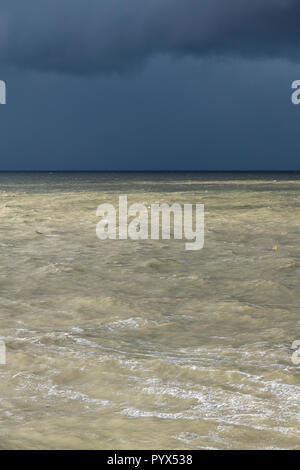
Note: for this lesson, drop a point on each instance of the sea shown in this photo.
(142, 344)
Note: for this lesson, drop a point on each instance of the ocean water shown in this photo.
(141, 344)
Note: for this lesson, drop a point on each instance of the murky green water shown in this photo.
(123, 344)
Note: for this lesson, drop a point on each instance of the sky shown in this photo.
(129, 85)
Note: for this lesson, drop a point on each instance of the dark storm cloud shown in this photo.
(104, 36)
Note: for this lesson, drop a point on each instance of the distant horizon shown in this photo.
(153, 171)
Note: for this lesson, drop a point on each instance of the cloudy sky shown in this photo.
(149, 85)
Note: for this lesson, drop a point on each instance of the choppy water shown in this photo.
(122, 344)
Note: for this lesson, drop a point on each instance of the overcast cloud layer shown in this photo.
(104, 36)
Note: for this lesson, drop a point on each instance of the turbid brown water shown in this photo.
(123, 344)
